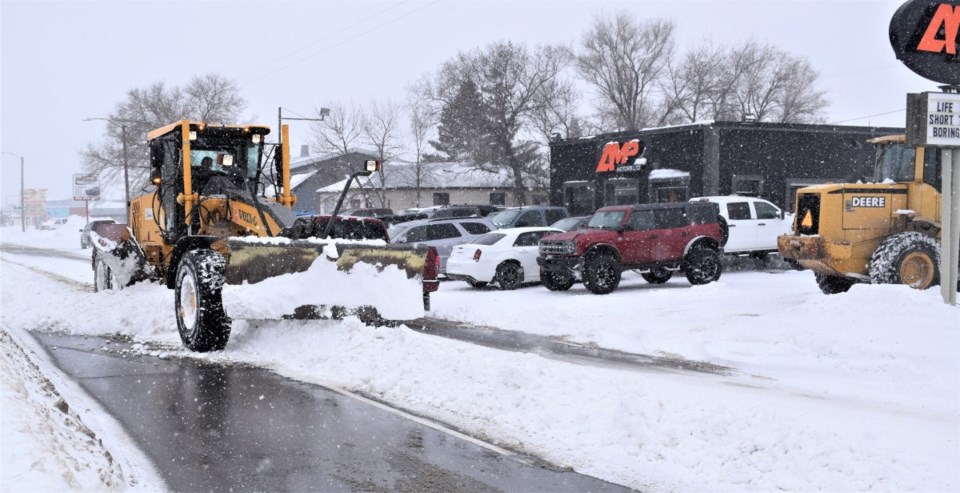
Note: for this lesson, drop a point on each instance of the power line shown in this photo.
(869, 116)
(362, 33)
(310, 45)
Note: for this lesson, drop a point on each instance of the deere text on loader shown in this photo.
(205, 222)
(883, 232)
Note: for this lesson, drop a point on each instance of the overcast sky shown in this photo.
(65, 61)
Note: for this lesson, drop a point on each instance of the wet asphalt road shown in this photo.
(214, 427)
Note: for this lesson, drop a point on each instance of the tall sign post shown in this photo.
(86, 188)
(925, 35)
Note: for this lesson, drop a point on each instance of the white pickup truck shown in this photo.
(753, 224)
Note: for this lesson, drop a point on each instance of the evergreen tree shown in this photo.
(463, 133)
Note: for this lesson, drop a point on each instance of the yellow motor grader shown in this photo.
(205, 222)
(886, 231)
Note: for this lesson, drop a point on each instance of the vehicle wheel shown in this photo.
(476, 284)
(201, 319)
(833, 284)
(702, 266)
(909, 258)
(724, 230)
(103, 278)
(657, 276)
(555, 281)
(601, 274)
(509, 276)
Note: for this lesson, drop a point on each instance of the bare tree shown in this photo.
(513, 82)
(205, 98)
(339, 133)
(747, 81)
(214, 98)
(624, 59)
(340, 130)
(421, 120)
(382, 132)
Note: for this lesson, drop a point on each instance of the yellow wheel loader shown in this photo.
(206, 223)
(886, 231)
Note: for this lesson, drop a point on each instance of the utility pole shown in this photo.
(23, 211)
(126, 167)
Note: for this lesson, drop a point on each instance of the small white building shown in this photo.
(406, 185)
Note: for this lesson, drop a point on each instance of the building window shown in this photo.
(498, 198)
(669, 185)
(748, 185)
(441, 199)
(578, 197)
(621, 191)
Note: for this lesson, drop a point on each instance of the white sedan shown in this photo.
(507, 257)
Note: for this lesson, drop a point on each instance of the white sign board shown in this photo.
(943, 119)
(86, 187)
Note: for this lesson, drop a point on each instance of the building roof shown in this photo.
(434, 175)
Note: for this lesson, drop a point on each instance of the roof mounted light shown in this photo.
(193, 135)
(371, 165)
(257, 138)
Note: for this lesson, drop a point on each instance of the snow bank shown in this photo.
(52, 441)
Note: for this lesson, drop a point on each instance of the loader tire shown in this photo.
(201, 320)
(833, 284)
(910, 258)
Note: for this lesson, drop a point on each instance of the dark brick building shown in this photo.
(769, 160)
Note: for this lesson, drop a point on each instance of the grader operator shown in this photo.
(206, 221)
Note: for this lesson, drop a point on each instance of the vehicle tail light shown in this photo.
(476, 255)
(431, 270)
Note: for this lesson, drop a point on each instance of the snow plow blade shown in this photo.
(280, 278)
(116, 246)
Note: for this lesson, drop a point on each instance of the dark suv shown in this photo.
(654, 239)
(85, 232)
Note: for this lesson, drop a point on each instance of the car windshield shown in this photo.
(504, 218)
(606, 219)
(489, 239)
(396, 230)
(566, 224)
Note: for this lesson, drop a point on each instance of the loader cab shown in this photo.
(898, 162)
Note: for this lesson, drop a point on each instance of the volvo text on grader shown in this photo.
(205, 220)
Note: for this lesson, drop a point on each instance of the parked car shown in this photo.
(443, 234)
(347, 227)
(51, 224)
(366, 212)
(752, 224)
(85, 231)
(507, 257)
(654, 239)
(571, 223)
(536, 215)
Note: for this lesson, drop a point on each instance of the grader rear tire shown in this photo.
(201, 320)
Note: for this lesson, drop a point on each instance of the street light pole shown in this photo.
(23, 211)
(126, 167)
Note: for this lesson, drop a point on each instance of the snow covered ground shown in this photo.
(850, 392)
